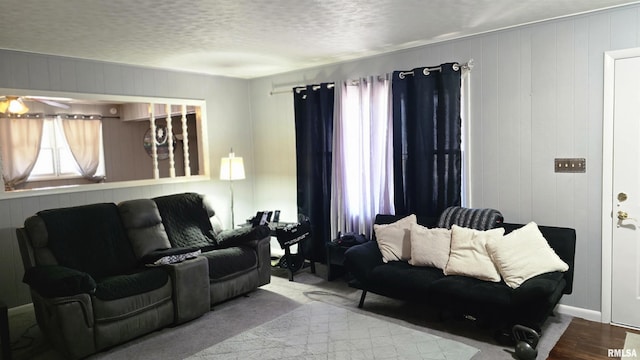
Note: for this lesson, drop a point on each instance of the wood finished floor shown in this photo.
(588, 340)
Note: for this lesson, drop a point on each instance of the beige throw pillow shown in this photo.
(394, 240)
(523, 254)
(430, 247)
(469, 256)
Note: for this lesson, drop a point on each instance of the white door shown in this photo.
(625, 272)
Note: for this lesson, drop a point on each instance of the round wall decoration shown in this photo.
(162, 142)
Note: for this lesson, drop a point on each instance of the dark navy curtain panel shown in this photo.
(427, 140)
(313, 107)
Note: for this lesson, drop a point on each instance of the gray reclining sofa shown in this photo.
(103, 274)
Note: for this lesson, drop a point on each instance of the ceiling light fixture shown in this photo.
(13, 105)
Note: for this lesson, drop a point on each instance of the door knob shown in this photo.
(622, 215)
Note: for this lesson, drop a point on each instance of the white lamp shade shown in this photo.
(231, 168)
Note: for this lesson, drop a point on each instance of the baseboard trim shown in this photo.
(586, 314)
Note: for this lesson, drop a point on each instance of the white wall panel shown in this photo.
(68, 76)
(525, 198)
(38, 72)
(543, 121)
(113, 79)
(89, 81)
(624, 29)
(19, 66)
(508, 134)
(489, 124)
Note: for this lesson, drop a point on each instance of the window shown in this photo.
(55, 159)
(362, 168)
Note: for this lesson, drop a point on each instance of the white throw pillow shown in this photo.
(523, 254)
(394, 240)
(469, 256)
(430, 247)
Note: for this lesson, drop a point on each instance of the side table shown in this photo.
(5, 341)
(335, 260)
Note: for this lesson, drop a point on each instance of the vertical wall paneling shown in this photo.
(20, 69)
(37, 72)
(128, 80)
(54, 71)
(148, 81)
(488, 126)
(599, 42)
(583, 184)
(624, 29)
(87, 71)
(523, 95)
(508, 130)
(68, 76)
(474, 153)
(161, 81)
(112, 79)
(565, 119)
(544, 120)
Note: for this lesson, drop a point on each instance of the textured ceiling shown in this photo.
(245, 38)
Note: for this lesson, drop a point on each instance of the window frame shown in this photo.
(56, 134)
(202, 135)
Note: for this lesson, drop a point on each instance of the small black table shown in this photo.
(335, 260)
(5, 341)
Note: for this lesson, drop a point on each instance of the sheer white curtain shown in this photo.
(362, 174)
(84, 138)
(19, 144)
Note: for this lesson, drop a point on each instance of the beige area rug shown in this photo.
(631, 349)
(322, 331)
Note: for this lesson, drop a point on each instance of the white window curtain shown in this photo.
(20, 143)
(362, 155)
(84, 137)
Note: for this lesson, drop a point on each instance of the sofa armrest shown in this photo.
(68, 322)
(190, 281)
(538, 289)
(58, 281)
(242, 236)
(361, 259)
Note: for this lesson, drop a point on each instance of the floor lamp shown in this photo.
(231, 168)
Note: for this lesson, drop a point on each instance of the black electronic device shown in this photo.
(260, 218)
(350, 239)
(293, 233)
(276, 216)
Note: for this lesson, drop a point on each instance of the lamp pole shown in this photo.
(232, 168)
(233, 223)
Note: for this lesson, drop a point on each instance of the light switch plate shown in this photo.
(570, 165)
